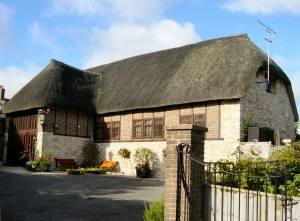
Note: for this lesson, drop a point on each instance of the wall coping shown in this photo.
(186, 127)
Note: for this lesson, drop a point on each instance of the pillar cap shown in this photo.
(186, 127)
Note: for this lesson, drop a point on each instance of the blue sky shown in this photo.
(86, 33)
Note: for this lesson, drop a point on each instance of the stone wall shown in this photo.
(63, 147)
(229, 133)
(59, 146)
(269, 109)
(109, 151)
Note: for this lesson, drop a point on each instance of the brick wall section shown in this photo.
(212, 119)
(126, 127)
(172, 117)
(193, 136)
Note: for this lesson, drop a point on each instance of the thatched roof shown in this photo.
(58, 85)
(217, 69)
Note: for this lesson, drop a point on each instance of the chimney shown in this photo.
(2, 93)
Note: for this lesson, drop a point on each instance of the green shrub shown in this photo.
(288, 157)
(251, 167)
(40, 163)
(90, 154)
(143, 156)
(155, 211)
(44, 165)
(76, 171)
(94, 170)
(81, 171)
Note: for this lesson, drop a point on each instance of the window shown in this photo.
(159, 127)
(186, 119)
(199, 120)
(196, 119)
(105, 131)
(137, 128)
(148, 128)
(70, 123)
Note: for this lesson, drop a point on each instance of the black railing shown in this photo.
(231, 194)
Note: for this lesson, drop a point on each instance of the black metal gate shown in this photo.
(231, 195)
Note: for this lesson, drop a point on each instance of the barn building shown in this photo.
(129, 103)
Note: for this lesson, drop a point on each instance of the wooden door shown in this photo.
(21, 139)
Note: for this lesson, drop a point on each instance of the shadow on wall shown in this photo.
(126, 166)
(157, 166)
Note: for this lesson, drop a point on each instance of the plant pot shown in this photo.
(143, 171)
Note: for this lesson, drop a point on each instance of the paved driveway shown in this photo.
(28, 196)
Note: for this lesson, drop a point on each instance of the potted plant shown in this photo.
(125, 153)
(143, 156)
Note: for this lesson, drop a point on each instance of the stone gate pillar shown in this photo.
(175, 205)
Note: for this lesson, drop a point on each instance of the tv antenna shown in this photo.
(270, 33)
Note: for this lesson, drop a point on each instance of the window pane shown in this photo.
(159, 127)
(148, 128)
(137, 129)
(148, 131)
(106, 130)
(186, 119)
(199, 119)
(116, 130)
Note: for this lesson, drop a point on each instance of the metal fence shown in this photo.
(230, 194)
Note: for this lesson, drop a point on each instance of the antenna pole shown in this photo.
(269, 41)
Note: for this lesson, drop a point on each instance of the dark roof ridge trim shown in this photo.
(55, 63)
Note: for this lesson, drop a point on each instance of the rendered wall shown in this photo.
(109, 151)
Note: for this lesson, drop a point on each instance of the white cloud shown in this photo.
(129, 10)
(5, 17)
(125, 40)
(14, 78)
(133, 27)
(42, 38)
(264, 6)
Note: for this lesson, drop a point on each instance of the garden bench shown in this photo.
(64, 163)
(107, 165)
